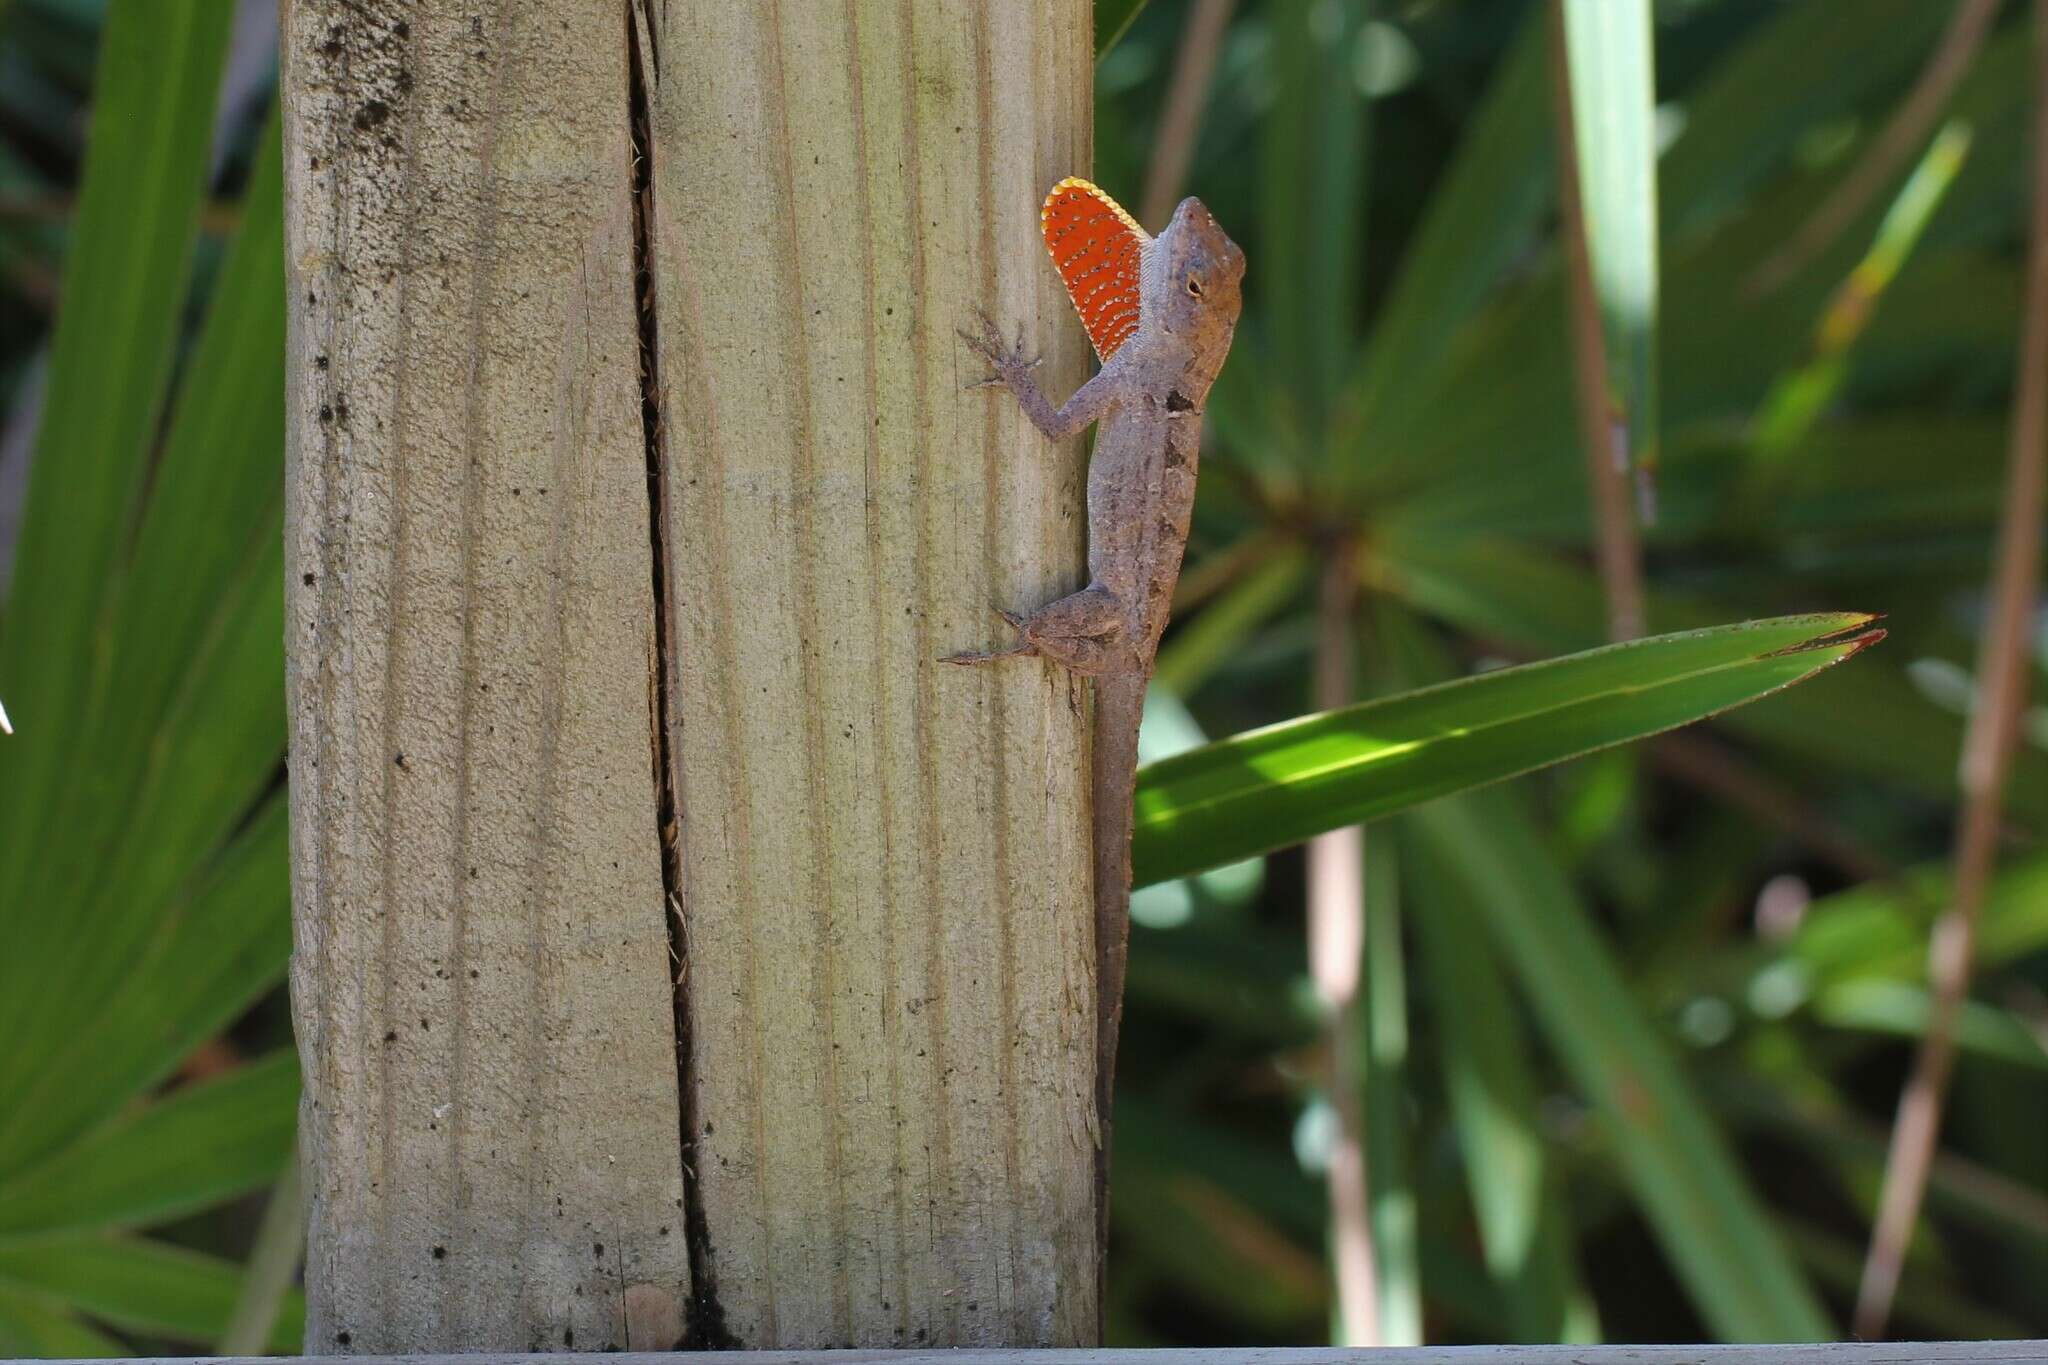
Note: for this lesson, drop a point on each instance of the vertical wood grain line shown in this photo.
(927, 706)
(995, 541)
(482, 275)
(542, 854)
(395, 660)
(810, 690)
(881, 709)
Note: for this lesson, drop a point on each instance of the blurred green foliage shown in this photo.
(142, 875)
(1635, 1025)
(1639, 1099)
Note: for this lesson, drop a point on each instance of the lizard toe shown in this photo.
(989, 656)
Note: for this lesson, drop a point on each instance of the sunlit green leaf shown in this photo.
(1610, 59)
(1874, 725)
(1165, 729)
(1796, 402)
(1280, 785)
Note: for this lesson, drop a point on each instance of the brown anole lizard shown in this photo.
(1160, 312)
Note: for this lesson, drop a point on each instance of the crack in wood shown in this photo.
(705, 1327)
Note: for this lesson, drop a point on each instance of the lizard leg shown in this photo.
(1092, 613)
(1013, 367)
(1023, 649)
(1080, 631)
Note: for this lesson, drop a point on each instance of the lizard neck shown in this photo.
(1199, 371)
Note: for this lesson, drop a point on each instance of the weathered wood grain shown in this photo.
(884, 861)
(480, 980)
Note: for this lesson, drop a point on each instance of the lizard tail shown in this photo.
(1119, 703)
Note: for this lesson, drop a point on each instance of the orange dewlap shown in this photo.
(1096, 247)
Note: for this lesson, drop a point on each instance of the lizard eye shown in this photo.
(1194, 286)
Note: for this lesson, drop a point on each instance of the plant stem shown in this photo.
(1601, 429)
(1336, 950)
(1987, 758)
(1181, 119)
(1888, 153)
(273, 1265)
(1701, 762)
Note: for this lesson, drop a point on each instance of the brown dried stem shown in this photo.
(1174, 146)
(1701, 762)
(1987, 758)
(1616, 544)
(1890, 151)
(1336, 953)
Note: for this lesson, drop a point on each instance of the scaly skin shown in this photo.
(1148, 400)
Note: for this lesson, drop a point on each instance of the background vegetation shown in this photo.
(1630, 1033)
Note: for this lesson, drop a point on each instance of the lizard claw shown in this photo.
(986, 345)
(984, 339)
(1010, 359)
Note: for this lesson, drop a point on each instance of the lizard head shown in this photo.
(1196, 273)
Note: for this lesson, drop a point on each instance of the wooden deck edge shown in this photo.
(1833, 1353)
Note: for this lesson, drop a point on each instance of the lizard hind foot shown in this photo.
(1023, 650)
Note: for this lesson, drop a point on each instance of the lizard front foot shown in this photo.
(1012, 362)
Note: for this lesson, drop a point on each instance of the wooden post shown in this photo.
(682, 951)
(481, 978)
(884, 860)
